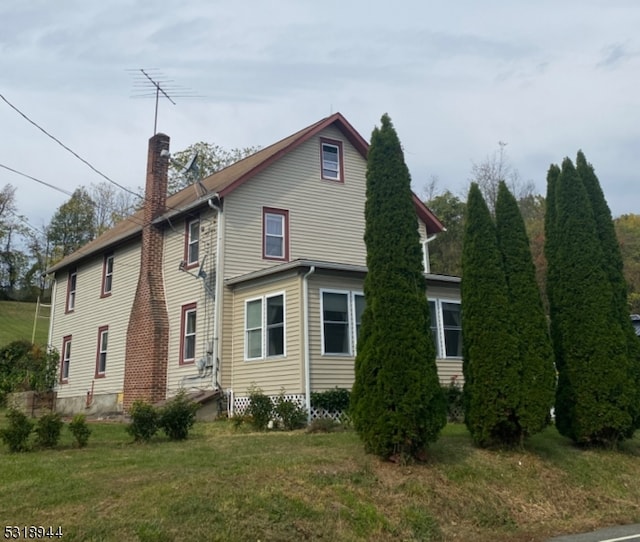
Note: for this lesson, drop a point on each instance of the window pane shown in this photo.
(105, 336)
(254, 314)
(452, 324)
(274, 246)
(254, 343)
(434, 326)
(336, 338)
(190, 347)
(275, 341)
(275, 310)
(191, 322)
(274, 224)
(107, 283)
(335, 307)
(359, 309)
(194, 231)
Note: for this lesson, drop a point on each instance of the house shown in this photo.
(251, 276)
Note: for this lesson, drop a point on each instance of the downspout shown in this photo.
(217, 207)
(305, 324)
(52, 310)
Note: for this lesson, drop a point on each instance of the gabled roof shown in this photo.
(225, 181)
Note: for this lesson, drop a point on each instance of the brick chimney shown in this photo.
(147, 349)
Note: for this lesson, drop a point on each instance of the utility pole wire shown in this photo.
(67, 148)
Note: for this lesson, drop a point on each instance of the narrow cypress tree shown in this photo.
(614, 267)
(490, 347)
(594, 398)
(397, 404)
(537, 378)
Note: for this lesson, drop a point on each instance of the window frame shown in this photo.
(72, 288)
(107, 276)
(439, 328)
(264, 327)
(189, 242)
(284, 215)
(352, 321)
(65, 359)
(340, 162)
(102, 351)
(185, 311)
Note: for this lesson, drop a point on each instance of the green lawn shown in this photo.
(16, 322)
(234, 485)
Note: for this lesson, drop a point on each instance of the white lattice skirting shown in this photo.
(240, 405)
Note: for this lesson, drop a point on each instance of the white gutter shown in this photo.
(219, 286)
(305, 323)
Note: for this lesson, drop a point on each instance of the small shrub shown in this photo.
(291, 414)
(80, 430)
(48, 429)
(144, 421)
(178, 416)
(324, 425)
(16, 434)
(260, 409)
(333, 401)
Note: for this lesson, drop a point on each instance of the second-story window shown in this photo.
(107, 275)
(275, 233)
(192, 243)
(101, 354)
(71, 290)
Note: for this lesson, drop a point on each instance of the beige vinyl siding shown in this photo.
(271, 374)
(91, 312)
(183, 288)
(328, 371)
(326, 218)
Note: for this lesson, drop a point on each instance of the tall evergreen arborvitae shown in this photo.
(397, 405)
(613, 266)
(595, 394)
(537, 376)
(490, 346)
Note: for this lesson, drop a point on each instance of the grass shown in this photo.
(233, 485)
(16, 322)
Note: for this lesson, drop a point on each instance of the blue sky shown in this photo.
(548, 78)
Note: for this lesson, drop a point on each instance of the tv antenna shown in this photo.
(150, 83)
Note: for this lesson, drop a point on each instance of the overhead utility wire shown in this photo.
(37, 180)
(67, 148)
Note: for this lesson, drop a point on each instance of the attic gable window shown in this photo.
(331, 160)
(275, 234)
(71, 290)
(192, 242)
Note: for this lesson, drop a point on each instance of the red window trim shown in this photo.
(72, 273)
(183, 324)
(103, 293)
(285, 214)
(187, 223)
(338, 144)
(101, 330)
(65, 340)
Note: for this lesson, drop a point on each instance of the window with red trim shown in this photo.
(188, 333)
(107, 275)
(331, 160)
(101, 352)
(71, 290)
(65, 359)
(275, 234)
(192, 242)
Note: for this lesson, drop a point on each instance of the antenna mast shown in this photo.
(149, 84)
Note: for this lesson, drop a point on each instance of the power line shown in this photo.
(37, 180)
(23, 115)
